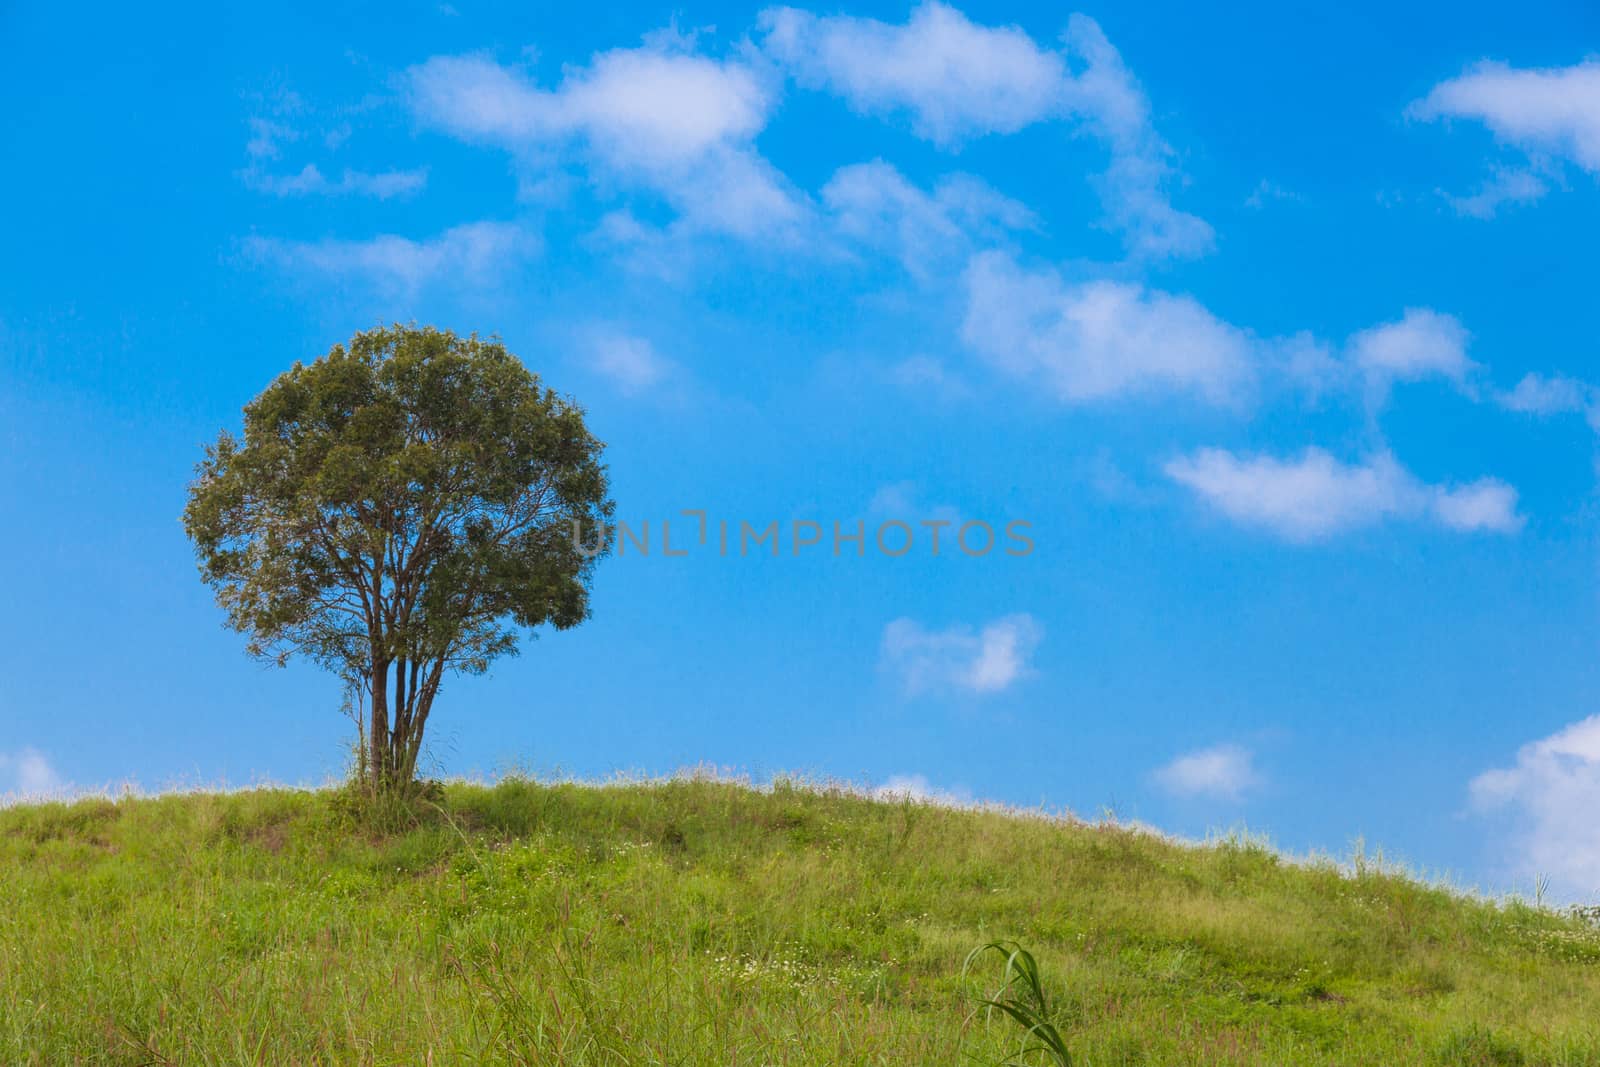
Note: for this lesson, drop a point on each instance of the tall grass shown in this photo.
(1021, 997)
(701, 922)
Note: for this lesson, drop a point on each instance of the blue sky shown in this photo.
(1275, 324)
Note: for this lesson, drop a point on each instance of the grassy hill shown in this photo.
(700, 922)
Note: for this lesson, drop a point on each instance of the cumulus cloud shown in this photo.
(1314, 496)
(1551, 794)
(957, 80)
(1550, 115)
(632, 363)
(657, 118)
(1422, 344)
(1222, 771)
(960, 658)
(310, 181)
(667, 121)
(873, 204)
(648, 106)
(1099, 339)
(27, 773)
(1552, 111)
(472, 253)
(1094, 340)
(1539, 394)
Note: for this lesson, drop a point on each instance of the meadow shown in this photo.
(697, 921)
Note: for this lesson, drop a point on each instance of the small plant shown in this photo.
(1021, 996)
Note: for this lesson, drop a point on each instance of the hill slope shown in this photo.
(698, 922)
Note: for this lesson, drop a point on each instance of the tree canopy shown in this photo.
(396, 510)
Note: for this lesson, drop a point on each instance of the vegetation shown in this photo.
(1022, 998)
(399, 509)
(701, 922)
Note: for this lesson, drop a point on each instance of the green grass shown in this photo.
(701, 922)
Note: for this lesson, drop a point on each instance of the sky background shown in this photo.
(1276, 323)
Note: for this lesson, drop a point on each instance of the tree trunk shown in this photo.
(379, 764)
(395, 737)
(402, 724)
(419, 701)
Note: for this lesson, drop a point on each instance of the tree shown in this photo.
(398, 510)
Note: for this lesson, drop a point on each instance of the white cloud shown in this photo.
(1088, 341)
(27, 773)
(1133, 189)
(1538, 394)
(1307, 362)
(310, 181)
(960, 658)
(1551, 794)
(1486, 504)
(1315, 496)
(1222, 771)
(640, 107)
(666, 121)
(1301, 499)
(958, 80)
(631, 362)
(267, 137)
(1097, 340)
(1424, 343)
(1507, 185)
(289, 120)
(917, 787)
(656, 107)
(656, 118)
(874, 204)
(1553, 111)
(1421, 344)
(473, 253)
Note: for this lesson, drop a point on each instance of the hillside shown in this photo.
(701, 922)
